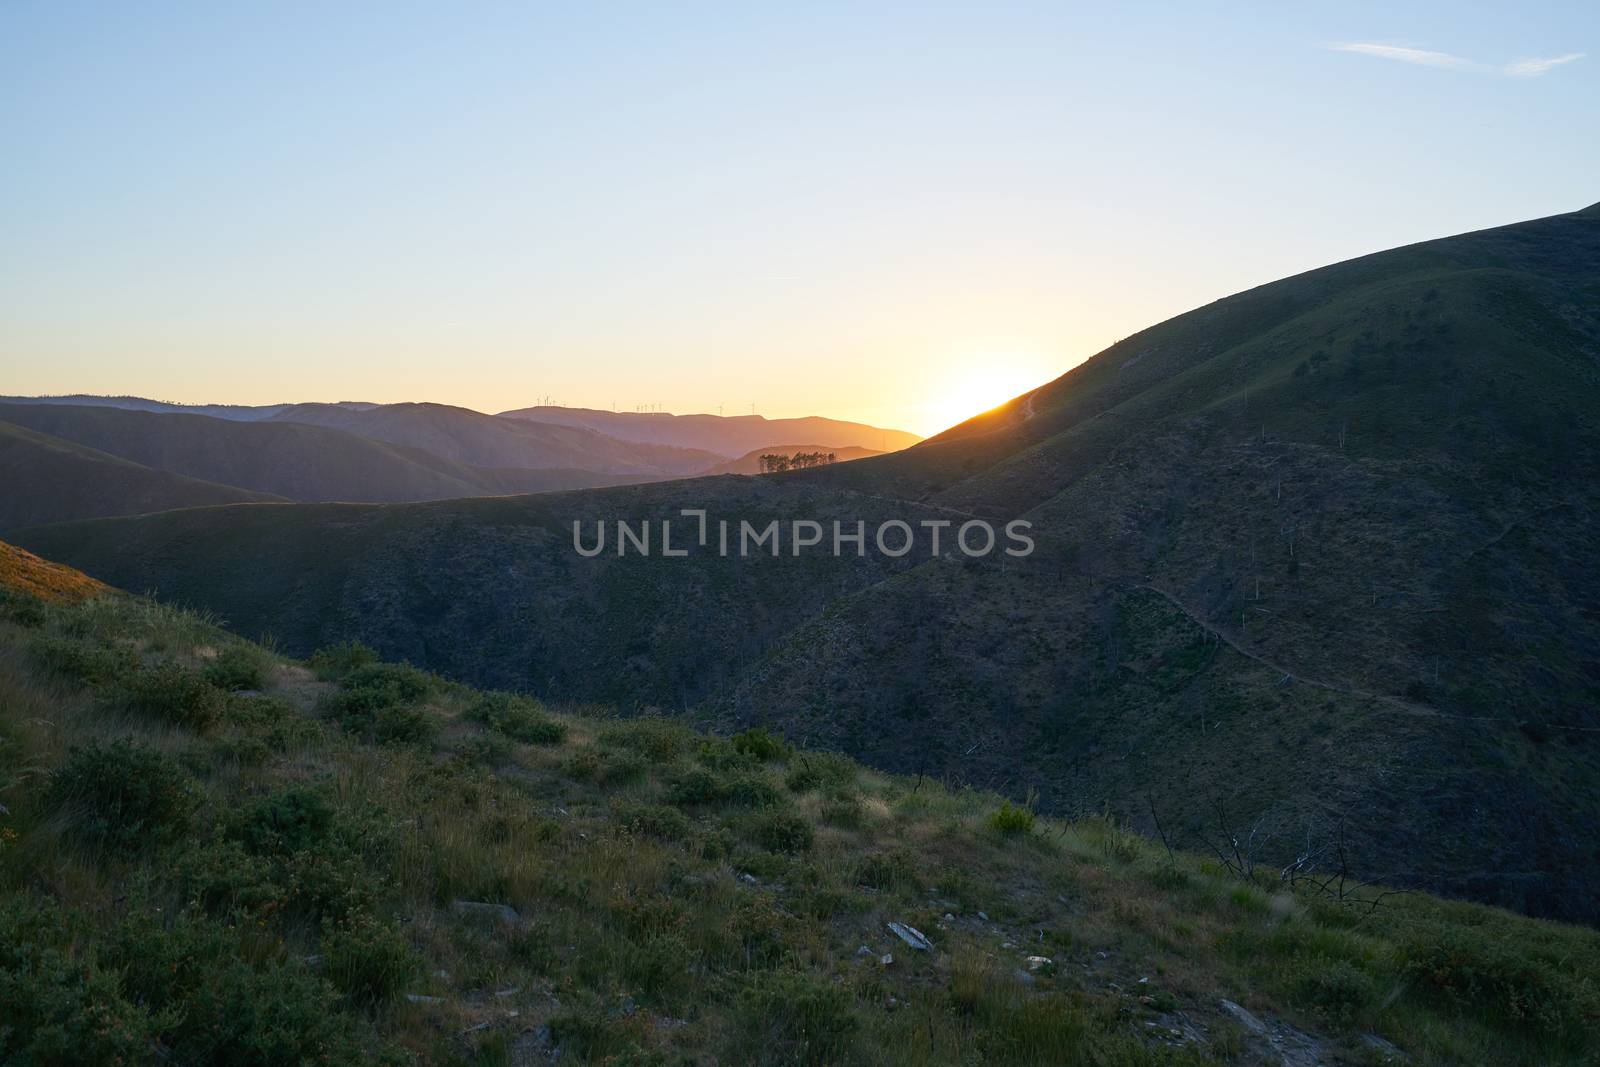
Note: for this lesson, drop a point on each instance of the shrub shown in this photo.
(813, 1018)
(284, 822)
(125, 795)
(887, 871)
(376, 716)
(238, 667)
(1011, 819)
(21, 610)
(56, 1008)
(223, 879)
(518, 718)
(1335, 989)
(843, 810)
(659, 739)
(173, 693)
(335, 661)
(367, 961)
(401, 683)
(782, 831)
(78, 660)
(652, 820)
(1473, 970)
(276, 1016)
(694, 785)
(760, 744)
(162, 962)
(751, 791)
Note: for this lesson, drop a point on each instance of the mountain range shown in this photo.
(1314, 559)
(132, 456)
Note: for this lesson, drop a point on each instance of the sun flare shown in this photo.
(976, 390)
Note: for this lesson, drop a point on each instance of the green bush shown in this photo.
(652, 820)
(286, 821)
(1011, 819)
(810, 1019)
(751, 791)
(164, 961)
(238, 667)
(694, 785)
(887, 871)
(760, 744)
(173, 693)
(518, 718)
(368, 961)
(57, 1008)
(1335, 989)
(125, 795)
(782, 831)
(279, 1016)
(82, 661)
(659, 739)
(377, 716)
(843, 810)
(21, 610)
(400, 683)
(335, 661)
(1474, 971)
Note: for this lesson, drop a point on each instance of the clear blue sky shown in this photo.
(878, 211)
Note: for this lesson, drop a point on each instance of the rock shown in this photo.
(503, 912)
(531, 1047)
(1023, 976)
(1387, 1050)
(419, 998)
(1035, 963)
(863, 951)
(911, 936)
(1102, 955)
(984, 916)
(949, 918)
(1250, 1022)
(1007, 944)
(441, 974)
(747, 878)
(886, 959)
(1144, 981)
(513, 991)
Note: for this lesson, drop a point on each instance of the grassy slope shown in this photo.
(1319, 551)
(275, 876)
(50, 480)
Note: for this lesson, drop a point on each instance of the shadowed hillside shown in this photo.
(1316, 555)
(47, 479)
(212, 854)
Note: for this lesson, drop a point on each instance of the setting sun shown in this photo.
(973, 391)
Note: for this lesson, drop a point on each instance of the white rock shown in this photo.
(911, 936)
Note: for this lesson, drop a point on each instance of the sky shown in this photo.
(894, 213)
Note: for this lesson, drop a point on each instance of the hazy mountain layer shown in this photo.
(728, 436)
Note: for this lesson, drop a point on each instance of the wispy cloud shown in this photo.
(1532, 68)
(1522, 68)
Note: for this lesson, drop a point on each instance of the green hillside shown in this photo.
(48, 479)
(1316, 555)
(212, 854)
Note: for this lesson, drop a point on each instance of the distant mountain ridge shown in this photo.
(729, 436)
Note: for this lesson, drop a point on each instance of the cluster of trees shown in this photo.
(776, 463)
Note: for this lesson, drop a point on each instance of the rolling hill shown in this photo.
(469, 437)
(1314, 561)
(289, 460)
(48, 479)
(728, 436)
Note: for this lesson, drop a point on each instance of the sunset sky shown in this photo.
(897, 213)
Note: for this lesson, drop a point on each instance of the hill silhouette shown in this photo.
(729, 436)
(1318, 554)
